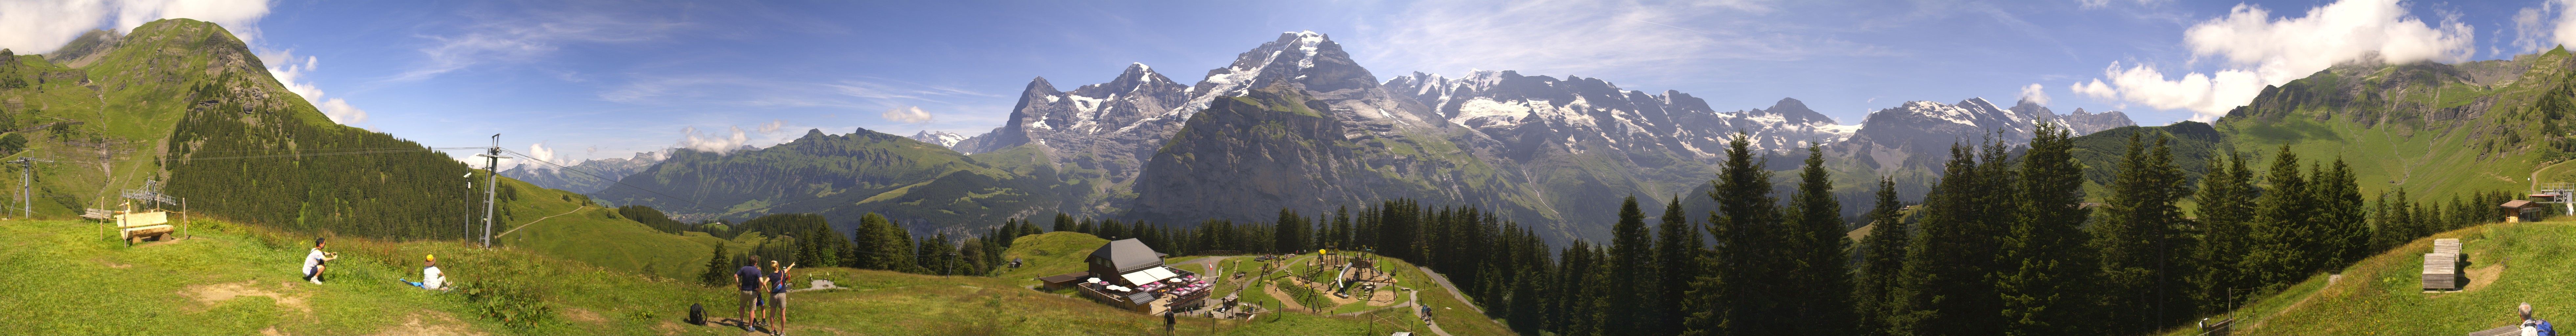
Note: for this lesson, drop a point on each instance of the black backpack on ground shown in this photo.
(697, 314)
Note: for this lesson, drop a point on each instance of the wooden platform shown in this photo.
(2508, 330)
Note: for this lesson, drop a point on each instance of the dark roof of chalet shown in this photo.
(1128, 255)
(2517, 204)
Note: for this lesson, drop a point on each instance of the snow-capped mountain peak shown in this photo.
(943, 139)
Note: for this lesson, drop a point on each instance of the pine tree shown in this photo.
(1677, 250)
(2226, 200)
(2341, 211)
(1631, 255)
(1822, 271)
(2139, 236)
(1882, 256)
(719, 269)
(1064, 222)
(2283, 241)
(1944, 288)
(1736, 295)
(2045, 294)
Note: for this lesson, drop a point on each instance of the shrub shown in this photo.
(514, 304)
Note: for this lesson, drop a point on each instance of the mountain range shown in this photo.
(1295, 124)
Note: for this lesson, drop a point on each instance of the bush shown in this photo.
(513, 304)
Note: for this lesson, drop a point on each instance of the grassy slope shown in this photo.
(67, 280)
(557, 223)
(2382, 296)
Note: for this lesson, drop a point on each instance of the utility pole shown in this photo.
(26, 185)
(491, 185)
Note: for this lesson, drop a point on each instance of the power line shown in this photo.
(610, 180)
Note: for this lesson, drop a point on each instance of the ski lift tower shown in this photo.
(2561, 193)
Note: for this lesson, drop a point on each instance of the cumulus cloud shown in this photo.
(40, 26)
(2035, 94)
(2260, 50)
(712, 142)
(907, 114)
(539, 152)
(2539, 28)
(284, 67)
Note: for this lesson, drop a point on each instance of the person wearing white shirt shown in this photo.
(317, 261)
(430, 276)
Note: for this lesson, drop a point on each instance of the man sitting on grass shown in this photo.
(430, 277)
(316, 261)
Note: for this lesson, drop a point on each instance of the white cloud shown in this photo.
(539, 152)
(530, 37)
(2545, 26)
(1581, 36)
(710, 142)
(340, 111)
(907, 114)
(773, 126)
(39, 26)
(2035, 94)
(2260, 50)
(282, 65)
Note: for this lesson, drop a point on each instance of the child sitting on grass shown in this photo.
(430, 277)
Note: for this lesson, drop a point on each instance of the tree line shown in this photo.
(2004, 244)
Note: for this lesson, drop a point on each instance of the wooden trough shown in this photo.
(2442, 267)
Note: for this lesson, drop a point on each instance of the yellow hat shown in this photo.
(432, 257)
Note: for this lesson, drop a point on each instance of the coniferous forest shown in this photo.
(2005, 244)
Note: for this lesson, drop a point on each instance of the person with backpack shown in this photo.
(2534, 326)
(778, 297)
(316, 261)
(748, 280)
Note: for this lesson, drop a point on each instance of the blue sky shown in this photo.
(594, 79)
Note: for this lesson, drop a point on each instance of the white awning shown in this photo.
(1146, 276)
(1139, 278)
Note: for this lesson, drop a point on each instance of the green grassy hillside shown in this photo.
(2508, 264)
(229, 279)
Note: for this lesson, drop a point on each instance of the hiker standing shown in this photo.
(317, 261)
(748, 280)
(2534, 326)
(1168, 321)
(778, 297)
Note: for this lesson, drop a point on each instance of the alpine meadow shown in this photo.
(1423, 167)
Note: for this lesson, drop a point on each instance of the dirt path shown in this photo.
(1286, 302)
(1426, 319)
(1443, 280)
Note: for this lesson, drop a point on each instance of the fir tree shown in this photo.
(2226, 200)
(2283, 239)
(1815, 238)
(1882, 256)
(1677, 250)
(1631, 255)
(2140, 237)
(1944, 288)
(1738, 293)
(2043, 294)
